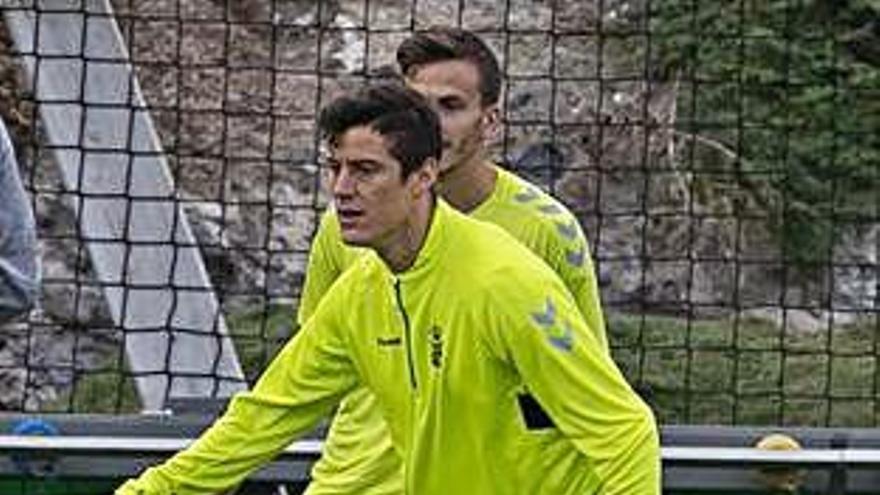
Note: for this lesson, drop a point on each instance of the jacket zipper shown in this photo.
(409, 356)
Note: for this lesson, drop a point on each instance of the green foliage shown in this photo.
(791, 87)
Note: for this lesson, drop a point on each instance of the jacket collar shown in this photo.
(432, 248)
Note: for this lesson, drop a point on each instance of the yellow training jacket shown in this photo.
(445, 347)
(358, 457)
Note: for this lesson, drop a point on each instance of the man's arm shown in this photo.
(19, 265)
(302, 384)
(542, 334)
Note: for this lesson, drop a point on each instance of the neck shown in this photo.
(467, 186)
(405, 244)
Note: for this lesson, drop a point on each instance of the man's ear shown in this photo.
(491, 122)
(424, 178)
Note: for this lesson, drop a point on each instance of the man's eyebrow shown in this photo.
(355, 161)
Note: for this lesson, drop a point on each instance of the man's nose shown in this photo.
(342, 182)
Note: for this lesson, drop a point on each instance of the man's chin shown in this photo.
(352, 239)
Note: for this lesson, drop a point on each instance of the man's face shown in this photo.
(372, 200)
(453, 89)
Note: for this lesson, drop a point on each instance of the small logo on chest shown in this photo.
(435, 338)
(388, 341)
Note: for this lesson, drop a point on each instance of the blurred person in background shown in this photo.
(19, 265)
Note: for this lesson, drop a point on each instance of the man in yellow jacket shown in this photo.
(445, 320)
(460, 75)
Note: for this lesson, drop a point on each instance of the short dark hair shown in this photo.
(402, 116)
(439, 44)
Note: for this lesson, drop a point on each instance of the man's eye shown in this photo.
(451, 104)
(364, 170)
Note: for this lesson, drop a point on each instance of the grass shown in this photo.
(259, 334)
(107, 389)
(750, 372)
(727, 372)
(107, 392)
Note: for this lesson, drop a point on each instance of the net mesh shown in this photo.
(721, 156)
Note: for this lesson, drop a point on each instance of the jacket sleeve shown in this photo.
(324, 266)
(540, 332)
(568, 253)
(19, 264)
(301, 385)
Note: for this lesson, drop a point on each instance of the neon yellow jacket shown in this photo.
(533, 217)
(358, 457)
(445, 347)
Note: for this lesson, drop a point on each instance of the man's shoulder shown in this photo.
(529, 200)
(490, 247)
(364, 274)
(329, 239)
(500, 269)
(531, 215)
(366, 265)
(328, 221)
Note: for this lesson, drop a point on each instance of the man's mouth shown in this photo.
(348, 215)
